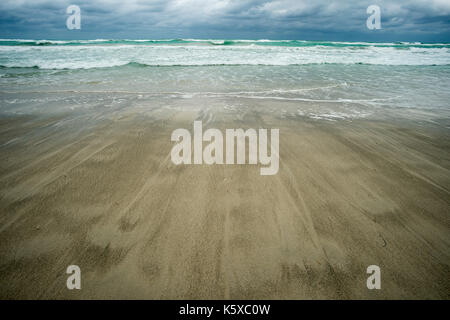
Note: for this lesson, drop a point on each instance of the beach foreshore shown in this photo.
(106, 196)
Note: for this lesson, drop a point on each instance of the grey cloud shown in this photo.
(402, 20)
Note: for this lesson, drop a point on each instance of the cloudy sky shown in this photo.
(344, 20)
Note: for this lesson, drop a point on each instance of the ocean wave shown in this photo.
(82, 66)
(88, 54)
(220, 42)
(24, 42)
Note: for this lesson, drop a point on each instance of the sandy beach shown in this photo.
(105, 196)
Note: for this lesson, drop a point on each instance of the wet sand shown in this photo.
(107, 198)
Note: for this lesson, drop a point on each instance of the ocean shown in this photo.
(323, 80)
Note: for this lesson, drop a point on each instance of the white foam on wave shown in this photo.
(98, 56)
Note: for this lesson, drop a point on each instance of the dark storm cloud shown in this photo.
(407, 20)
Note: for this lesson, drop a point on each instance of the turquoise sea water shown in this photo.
(284, 43)
(342, 80)
(78, 54)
